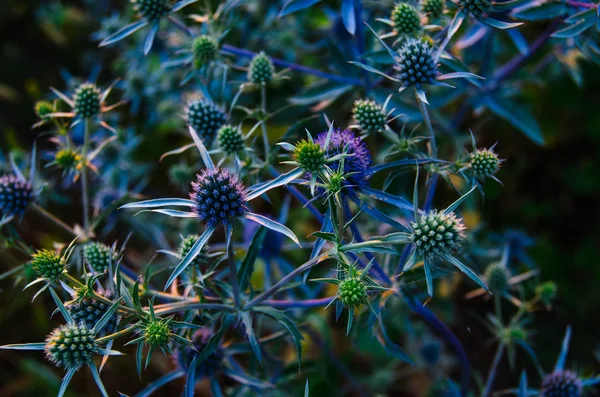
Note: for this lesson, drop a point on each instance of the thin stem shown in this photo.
(13, 271)
(288, 304)
(427, 120)
(177, 307)
(116, 335)
(233, 271)
(54, 219)
(498, 306)
(493, 370)
(581, 4)
(294, 66)
(263, 126)
(84, 177)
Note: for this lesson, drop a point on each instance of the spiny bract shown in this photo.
(205, 118)
(476, 7)
(261, 69)
(437, 233)
(152, 9)
(352, 292)
(204, 50)
(156, 333)
(15, 195)
(406, 19)
(89, 311)
(201, 260)
(97, 255)
(310, 156)
(562, 384)
(48, 264)
(67, 159)
(87, 100)
(230, 139)
(416, 63)
(71, 346)
(484, 163)
(368, 115)
(219, 196)
(433, 8)
(496, 277)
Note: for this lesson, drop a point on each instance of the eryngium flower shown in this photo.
(230, 139)
(43, 109)
(71, 346)
(416, 64)
(562, 383)
(204, 50)
(496, 278)
(310, 156)
(48, 264)
(433, 8)
(185, 246)
(261, 69)
(546, 292)
(156, 333)
(87, 100)
(352, 292)
(475, 7)
(205, 118)
(437, 233)
(210, 365)
(484, 163)
(152, 9)
(406, 19)
(15, 195)
(357, 165)
(88, 311)
(368, 115)
(97, 255)
(220, 197)
(67, 159)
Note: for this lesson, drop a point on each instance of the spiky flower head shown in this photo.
(97, 255)
(48, 264)
(368, 115)
(205, 117)
(352, 292)
(67, 159)
(230, 139)
(71, 346)
(562, 383)
(180, 174)
(546, 292)
(416, 63)
(358, 165)
(157, 333)
(152, 10)
(87, 100)
(310, 156)
(513, 334)
(89, 311)
(437, 233)
(406, 19)
(211, 364)
(205, 50)
(484, 163)
(261, 69)
(496, 277)
(201, 260)
(475, 7)
(219, 195)
(43, 109)
(15, 195)
(433, 8)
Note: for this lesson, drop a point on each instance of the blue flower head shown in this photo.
(358, 165)
(210, 365)
(15, 195)
(562, 383)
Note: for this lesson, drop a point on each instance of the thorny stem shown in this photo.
(493, 370)
(427, 120)
(263, 125)
(84, 178)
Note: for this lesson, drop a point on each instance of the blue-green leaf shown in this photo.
(291, 6)
(544, 11)
(124, 32)
(191, 255)
(247, 321)
(271, 224)
(517, 117)
(349, 16)
(155, 203)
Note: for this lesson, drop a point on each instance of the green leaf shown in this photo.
(271, 224)
(61, 307)
(324, 235)
(544, 11)
(574, 29)
(154, 203)
(191, 255)
(287, 324)
(322, 92)
(247, 267)
(292, 6)
(247, 321)
(517, 117)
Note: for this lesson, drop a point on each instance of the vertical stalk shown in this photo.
(498, 306)
(233, 271)
(432, 145)
(493, 370)
(84, 178)
(263, 126)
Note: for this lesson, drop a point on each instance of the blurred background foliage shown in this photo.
(550, 192)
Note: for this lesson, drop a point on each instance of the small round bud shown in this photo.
(484, 163)
(205, 118)
(261, 69)
(71, 346)
(563, 383)
(157, 333)
(406, 19)
(514, 334)
(352, 292)
(335, 182)
(230, 139)
(15, 195)
(152, 9)
(48, 264)
(310, 156)
(416, 63)
(219, 196)
(87, 100)
(368, 115)
(43, 109)
(496, 277)
(475, 7)
(89, 311)
(546, 292)
(432, 8)
(437, 233)
(67, 159)
(201, 260)
(97, 255)
(204, 50)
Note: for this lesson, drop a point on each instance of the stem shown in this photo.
(233, 271)
(177, 307)
(288, 304)
(54, 219)
(581, 4)
(294, 66)
(493, 370)
(116, 334)
(84, 179)
(12, 271)
(263, 127)
(498, 306)
(427, 120)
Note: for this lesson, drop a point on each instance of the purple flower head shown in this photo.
(359, 164)
(562, 383)
(220, 197)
